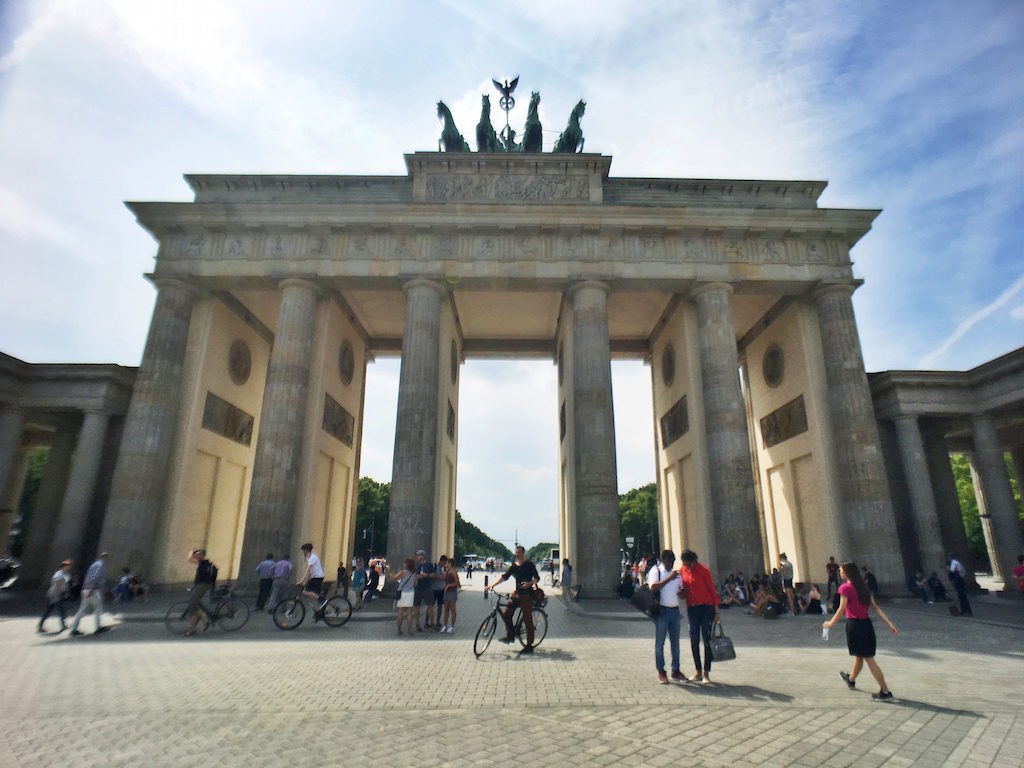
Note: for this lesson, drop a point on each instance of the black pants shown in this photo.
(701, 618)
(961, 592)
(264, 593)
(59, 605)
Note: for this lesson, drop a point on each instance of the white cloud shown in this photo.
(1017, 313)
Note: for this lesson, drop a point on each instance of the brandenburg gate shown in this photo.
(275, 292)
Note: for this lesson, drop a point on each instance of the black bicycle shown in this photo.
(335, 610)
(230, 614)
(496, 619)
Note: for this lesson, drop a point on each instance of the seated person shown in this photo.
(766, 597)
(811, 602)
(936, 587)
(729, 595)
(916, 586)
(122, 591)
(626, 586)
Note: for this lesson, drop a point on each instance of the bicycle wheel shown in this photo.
(484, 635)
(231, 615)
(337, 611)
(177, 619)
(288, 614)
(540, 627)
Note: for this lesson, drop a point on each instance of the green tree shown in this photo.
(470, 540)
(372, 511)
(27, 503)
(540, 551)
(638, 517)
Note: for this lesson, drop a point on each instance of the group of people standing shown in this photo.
(426, 585)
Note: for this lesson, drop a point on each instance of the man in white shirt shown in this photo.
(666, 583)
(958, 576)
(313, 577)
(60, 583)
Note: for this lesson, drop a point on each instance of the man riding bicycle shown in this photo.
(312, 578)
(526, 576)
(206, 578)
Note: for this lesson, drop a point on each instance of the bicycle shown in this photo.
(335, 610)
(496, 618)
(230, 614)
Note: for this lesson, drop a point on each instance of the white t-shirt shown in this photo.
(668, 595)
(316, 571)
(58, 586)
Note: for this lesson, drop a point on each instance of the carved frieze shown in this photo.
(675, 423)
(783, 423)
(224, 419)
(338, 422)
(466, 188)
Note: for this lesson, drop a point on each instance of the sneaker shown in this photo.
(662, 678)
(506, 640)
(679, 676)
(882, 696)
(850, 683)
(529, 649)
(76, 633)
(419, 629)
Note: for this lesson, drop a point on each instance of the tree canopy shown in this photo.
(638, 517)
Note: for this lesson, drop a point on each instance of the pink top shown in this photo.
(855, 609)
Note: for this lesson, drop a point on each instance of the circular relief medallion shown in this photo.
(668, 365)
(346, 363)
(239, 362)
(561, 364)
(773, 366)
(455, 362)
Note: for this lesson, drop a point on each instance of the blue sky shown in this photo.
(917, 109)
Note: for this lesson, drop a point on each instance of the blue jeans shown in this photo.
(667, 623)
(702, 618)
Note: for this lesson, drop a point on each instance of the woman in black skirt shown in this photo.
(854, 600)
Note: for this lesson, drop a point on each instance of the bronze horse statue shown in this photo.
(486, 138)
(451, 139)
(533, 137)
(571, 139)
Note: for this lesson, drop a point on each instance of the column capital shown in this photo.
(826, 287)
(302, 282)
(424, 282)
(702, 286)
(587, 284)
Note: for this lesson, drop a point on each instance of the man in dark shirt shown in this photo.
(206, 578)
(526, 576)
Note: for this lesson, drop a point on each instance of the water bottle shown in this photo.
(824, 633)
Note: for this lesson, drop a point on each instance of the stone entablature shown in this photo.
(54, 387)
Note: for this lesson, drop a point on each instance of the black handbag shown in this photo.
(646, 601)
(721, 646)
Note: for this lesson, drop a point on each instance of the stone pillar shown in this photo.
(595, 478)
(137, 501)
(737, 530)
(414, 470)
(984, 519)
(995, 489)
(38, 554)
(12, 494)
(85, 466)
(947, 502)
(275, 473)
(922, 498)
(859, 469)
(12, 423)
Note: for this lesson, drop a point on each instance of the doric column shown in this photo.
(12, 494)
(85, 466)
(414, 469)
(860, 471)
(12, 423)
(38, 554)
(140, 477)
(596, 485)
(922, 497)
(275, 473)
(995, 487)
(947, 502)
(984, 519)
(737, 530)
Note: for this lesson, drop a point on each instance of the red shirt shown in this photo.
(855, 609)
(700, 587)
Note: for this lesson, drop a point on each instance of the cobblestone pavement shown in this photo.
(361, 695)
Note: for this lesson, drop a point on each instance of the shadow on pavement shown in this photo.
(924, 706)
(746, 692)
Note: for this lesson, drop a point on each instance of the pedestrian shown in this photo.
(451, 596)
(958, 577)
(406, 592)
(343, 580)
(437, 588)
(871, 581)
(526, 576)
(832, 569)
(566, 579)
(281, 576)
(358, 581)
(424, 594)
(786, 571)
(855, 599)
(60, 585)
(265, 571)
(701, 610)
(93, 586)
(1018, 572)
(668, 586)
(205, 581)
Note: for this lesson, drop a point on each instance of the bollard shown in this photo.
(485, 586)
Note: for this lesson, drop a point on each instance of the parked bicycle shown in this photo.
(335, 610)
(230, 614)
(496, 619)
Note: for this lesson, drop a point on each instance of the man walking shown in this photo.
(265, 571)
(60, 583)
(958, 577)
(667, 584)
(832, 569)
(280, 575)
(786, 570)
(92, 594)
(526, 576)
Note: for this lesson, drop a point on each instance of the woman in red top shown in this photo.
(701, 609)
(854, 599)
